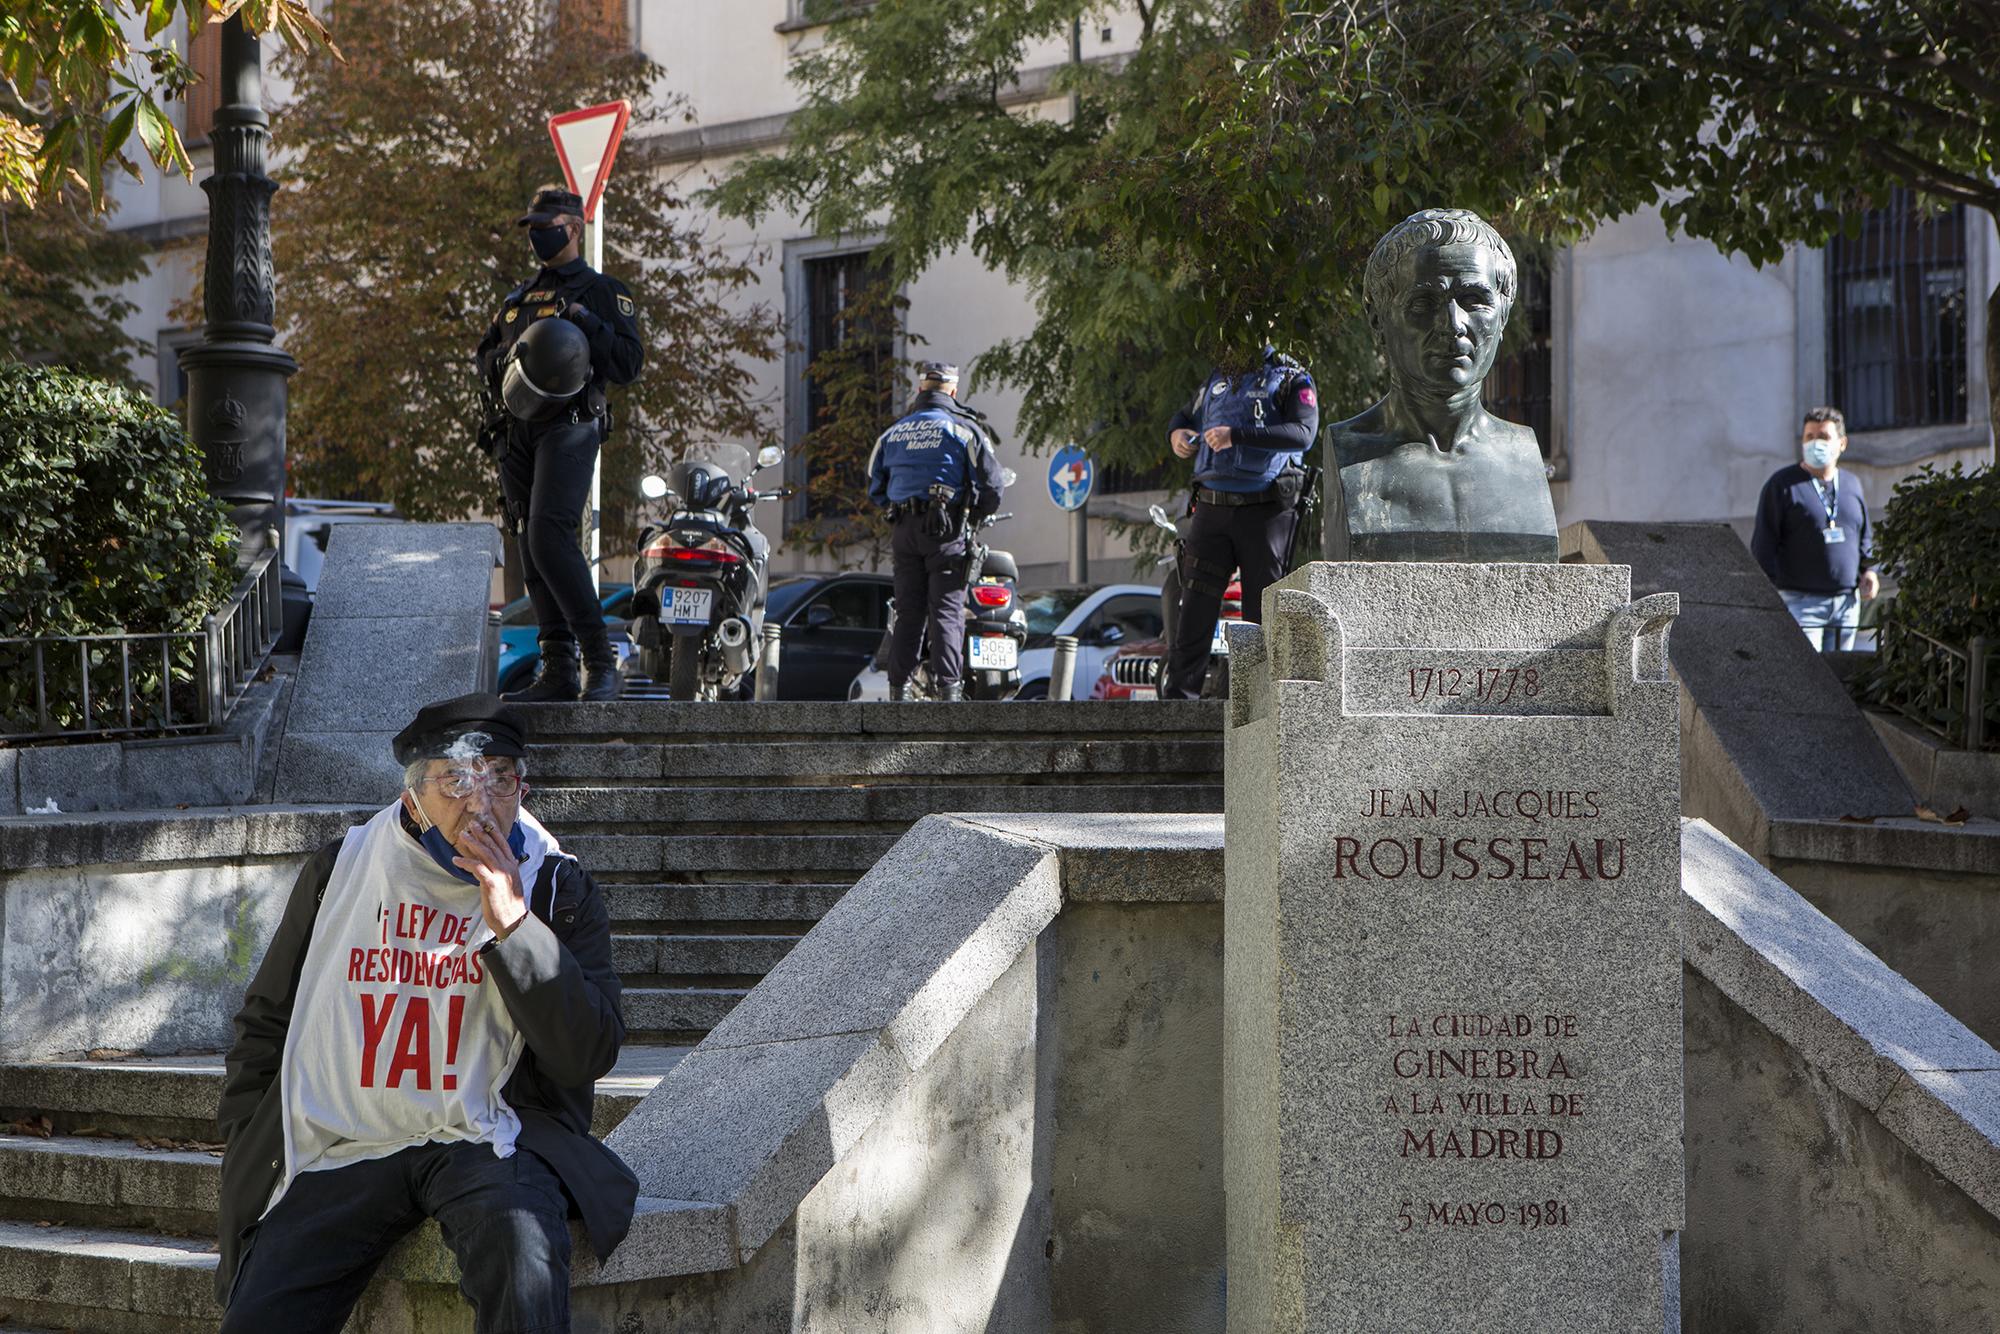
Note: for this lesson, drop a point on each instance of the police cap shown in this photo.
(941, 371)
(551, 203)
(468, 725)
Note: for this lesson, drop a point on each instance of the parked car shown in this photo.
(309, 523)
(1101, 617)
(521, 654)
(1133, 671)
(832, 625)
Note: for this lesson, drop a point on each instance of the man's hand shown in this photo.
(485, 856)
(1183, 442)
(1871, 585)
(579, 314)
(1219, 438)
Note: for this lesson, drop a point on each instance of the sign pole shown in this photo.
(1079, 544)
(593, 233)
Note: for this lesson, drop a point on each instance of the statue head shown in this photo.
(1437, 292)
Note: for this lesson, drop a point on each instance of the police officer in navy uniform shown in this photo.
(1247, 435)
(936, 473)
(546, 465)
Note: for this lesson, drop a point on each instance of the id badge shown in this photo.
(1833, 534)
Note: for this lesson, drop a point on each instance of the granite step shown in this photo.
(643, 956)
(1054, 759)
(634, 905)
(106, 1281)
(584, 810)
(799, 854)
(635, 720)
(678, 1014)
(85, 1181)
(175, 1097)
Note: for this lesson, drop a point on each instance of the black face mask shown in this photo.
(548, 241)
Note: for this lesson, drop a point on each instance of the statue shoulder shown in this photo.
(1360, 439)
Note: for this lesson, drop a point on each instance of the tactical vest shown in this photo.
(1250, 401)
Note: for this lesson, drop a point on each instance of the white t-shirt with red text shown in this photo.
(397, 1036)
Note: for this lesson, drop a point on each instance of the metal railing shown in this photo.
(1949, 694)
(152, 684)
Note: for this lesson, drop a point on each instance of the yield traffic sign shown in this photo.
(586, 144)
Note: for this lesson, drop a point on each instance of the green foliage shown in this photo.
(61, 267)
(859, 385)
(106, 525)
(396, 239)
(1223, 184)
(74, 92)
(1937, 540)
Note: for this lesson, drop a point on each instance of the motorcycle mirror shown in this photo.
(1008, 477)
(770, 456)
(652, 486)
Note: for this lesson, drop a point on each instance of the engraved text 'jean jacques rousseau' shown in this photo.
(1428, 474)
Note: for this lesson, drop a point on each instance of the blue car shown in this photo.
(520, 654)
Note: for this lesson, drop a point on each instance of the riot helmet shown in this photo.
(548, 365)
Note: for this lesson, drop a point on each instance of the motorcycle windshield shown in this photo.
(726, 455)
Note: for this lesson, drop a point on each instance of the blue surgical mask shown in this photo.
(548, 241)
(1819, 453)
(442, 852)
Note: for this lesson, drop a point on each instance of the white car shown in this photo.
(309, 523)
(1101, 617)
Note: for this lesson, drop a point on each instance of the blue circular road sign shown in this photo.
(1070, 477)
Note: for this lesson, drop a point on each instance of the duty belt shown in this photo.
(1211, 497)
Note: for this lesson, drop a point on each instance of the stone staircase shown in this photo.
(720, 834)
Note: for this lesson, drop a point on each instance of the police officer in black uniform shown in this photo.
(546, 463)
(935, 471)
(1247, 435)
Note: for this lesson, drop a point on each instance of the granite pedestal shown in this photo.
(1452, 953)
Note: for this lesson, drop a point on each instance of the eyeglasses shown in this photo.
(464, 782)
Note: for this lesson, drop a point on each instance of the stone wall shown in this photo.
(139, 933)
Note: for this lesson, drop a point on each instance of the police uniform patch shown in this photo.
(512, 313)
(543, 312)
(625, 305)
(539, 296)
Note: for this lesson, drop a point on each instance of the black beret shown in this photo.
(438, 726)
(549, 206)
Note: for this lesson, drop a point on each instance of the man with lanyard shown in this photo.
(421, 1040)
(934, 471)
(1246, 434)
(546, 466)
(1813, 537)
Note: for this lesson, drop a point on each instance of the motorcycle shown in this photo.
(699, 582)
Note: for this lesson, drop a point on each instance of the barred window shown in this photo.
(849, 321)
(1520, 387)
(1896, 338)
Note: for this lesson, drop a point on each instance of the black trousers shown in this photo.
(1252, 539)
(506, 1219)
(930, 602)
(545, 478)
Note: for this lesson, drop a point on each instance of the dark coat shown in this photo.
(556, 977)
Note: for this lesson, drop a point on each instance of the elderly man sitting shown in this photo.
(421, 1041)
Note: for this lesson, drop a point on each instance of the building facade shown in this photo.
(1667, 379)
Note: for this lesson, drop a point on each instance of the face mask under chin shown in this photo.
(548, 241)
(441, 851)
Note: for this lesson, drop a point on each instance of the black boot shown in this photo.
(555, 679)
(601, 673)
(898, 693)
(954, 692)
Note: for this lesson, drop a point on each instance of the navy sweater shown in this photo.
(1787, 541)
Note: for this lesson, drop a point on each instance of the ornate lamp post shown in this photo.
(237, 375)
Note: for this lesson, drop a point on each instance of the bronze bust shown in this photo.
(1428, 473)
